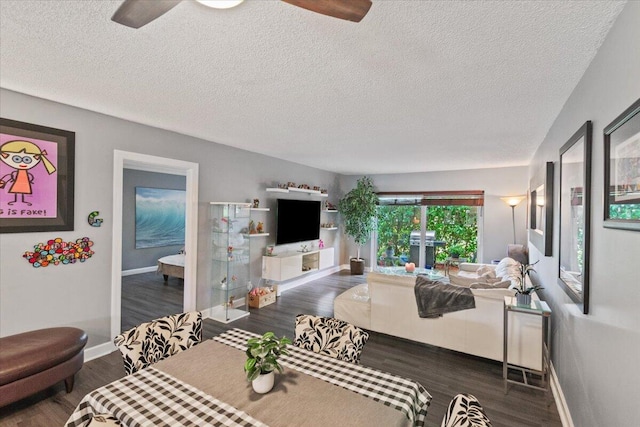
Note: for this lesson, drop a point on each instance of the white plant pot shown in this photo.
(264, 383)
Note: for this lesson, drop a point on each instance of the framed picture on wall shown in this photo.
(160, 217)
(575, 216)
(541, 210)
(622, 170)
(37, 166)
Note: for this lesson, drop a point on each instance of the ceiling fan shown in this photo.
(136, 13)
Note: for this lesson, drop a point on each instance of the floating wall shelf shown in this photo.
(297, 190)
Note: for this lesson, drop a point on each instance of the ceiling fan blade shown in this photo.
(136, 13)
(350, 10)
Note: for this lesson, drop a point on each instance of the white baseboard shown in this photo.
(98, 351)
(140, 270)
(561, 403)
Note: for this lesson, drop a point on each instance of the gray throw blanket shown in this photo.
(434, 298)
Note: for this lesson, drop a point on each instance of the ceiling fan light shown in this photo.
(220, 4)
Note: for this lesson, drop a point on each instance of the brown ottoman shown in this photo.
(35, 360)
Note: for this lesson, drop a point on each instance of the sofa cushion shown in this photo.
(504, 284)
(509, 269)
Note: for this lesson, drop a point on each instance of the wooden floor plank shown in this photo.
(442, 372)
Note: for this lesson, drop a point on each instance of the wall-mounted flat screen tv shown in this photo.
(297, 221)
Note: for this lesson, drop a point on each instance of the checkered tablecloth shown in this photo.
(153, 398)
(405, 395)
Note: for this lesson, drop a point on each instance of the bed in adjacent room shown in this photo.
(171, 265)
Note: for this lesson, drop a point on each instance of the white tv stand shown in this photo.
(289, 265)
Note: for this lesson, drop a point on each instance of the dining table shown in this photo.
(206, 386)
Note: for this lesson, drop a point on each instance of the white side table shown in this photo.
(530, 378)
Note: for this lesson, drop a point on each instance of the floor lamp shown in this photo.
(513, 201)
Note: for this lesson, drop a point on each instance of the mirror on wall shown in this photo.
(541, 210)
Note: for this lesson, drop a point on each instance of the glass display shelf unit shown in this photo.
(230, 260)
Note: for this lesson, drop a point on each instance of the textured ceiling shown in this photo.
(416, 86)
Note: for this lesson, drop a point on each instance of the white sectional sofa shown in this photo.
(391, 309)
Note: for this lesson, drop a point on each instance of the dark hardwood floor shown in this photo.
(442, 372)
(147, 296)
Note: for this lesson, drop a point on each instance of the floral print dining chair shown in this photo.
(465, 411)
(332, 337)
(153, 341)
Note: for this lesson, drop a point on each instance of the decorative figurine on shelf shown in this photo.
(304, 248)
(256, 203)
(320, 244)
(329, 206)
(252, 227)
(223, 283)
(260, 228)
(316, 188)
(291, 184)
(270, 249)
(410, 267)
(229, 255)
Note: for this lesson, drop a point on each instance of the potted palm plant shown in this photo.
(523, 293)
(262, 359)
(358, 209)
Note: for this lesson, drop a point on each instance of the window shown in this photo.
(423, 227)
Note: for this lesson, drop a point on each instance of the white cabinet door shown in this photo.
(326, 258)
(290, 267)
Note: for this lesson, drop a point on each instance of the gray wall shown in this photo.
(595, 355)
(133, 258)
(80, 294)
(496, 215)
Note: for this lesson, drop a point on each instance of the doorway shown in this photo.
(128, 160)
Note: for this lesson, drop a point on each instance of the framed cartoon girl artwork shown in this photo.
(36, 178)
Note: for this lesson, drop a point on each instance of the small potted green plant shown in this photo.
(262, 360)
(455, 251)
(358, 209)
(523, 293)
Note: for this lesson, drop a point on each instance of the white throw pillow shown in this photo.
(509, 269)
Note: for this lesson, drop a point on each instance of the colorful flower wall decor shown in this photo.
(57, 252)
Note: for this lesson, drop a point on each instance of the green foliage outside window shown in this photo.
(455, 225)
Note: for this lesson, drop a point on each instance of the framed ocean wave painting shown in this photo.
(160, 217)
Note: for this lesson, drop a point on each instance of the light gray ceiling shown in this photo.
(416, 86)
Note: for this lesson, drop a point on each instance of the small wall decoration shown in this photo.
(93, 221)
(622, 170)
(160, 217)
(58, 252)
(36, 178)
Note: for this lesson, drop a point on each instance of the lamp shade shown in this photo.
(512, 200)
